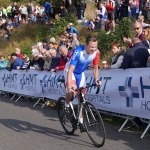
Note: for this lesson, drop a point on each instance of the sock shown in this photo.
(81, 120)
(66, 105)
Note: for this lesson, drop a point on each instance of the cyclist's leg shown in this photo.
(68, 93)
(80, 81)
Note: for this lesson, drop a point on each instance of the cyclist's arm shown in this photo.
(95, 66)
(95, 72)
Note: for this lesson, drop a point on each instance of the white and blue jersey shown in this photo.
(80, 59)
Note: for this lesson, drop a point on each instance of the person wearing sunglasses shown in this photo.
(26, 61)
(139, 34)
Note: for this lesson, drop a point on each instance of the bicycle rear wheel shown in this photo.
(65, 119)
(94, 124)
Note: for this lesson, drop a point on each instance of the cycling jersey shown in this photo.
(80, 59)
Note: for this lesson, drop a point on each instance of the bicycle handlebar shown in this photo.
(81, 88)
(86, 87)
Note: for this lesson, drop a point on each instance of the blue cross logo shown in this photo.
(129, 92)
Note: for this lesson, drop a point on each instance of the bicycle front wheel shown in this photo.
(65, 118)
(94, 124)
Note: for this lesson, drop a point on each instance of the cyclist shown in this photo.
(74, 70)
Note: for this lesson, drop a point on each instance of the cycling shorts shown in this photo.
(78, 79)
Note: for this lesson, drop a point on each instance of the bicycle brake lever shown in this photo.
(98, 89)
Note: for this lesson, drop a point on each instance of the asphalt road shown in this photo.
(24, 127)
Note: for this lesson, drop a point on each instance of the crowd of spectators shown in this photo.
(14, 15)
(48, 55)
(109, 11)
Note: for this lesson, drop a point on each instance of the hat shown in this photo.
(53, 40)
(39, 44)
(71, 24)
(44, 40)
(14, 54)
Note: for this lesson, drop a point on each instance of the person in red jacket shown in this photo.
(18, 52)
(65, 56)
(110, 7)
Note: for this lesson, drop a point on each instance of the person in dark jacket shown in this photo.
(124, 8)
(137, 56)
(55, 59)
(18, 62)
(62, 11)
(37, 62)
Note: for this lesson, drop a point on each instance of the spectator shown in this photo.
(55, 59)
(72, 29)
(97, 23)
(47, 8)
(53, 43)
(139, 33)
(45, 45)
(137, 56)
(40, 47)
(124, 8)
(18, 52)
(141, 19)
(118, 55)
(102, 15)
(9, 25)
(65, 56)
(110, 7)
(17, 62)
(78, 9)
(91, 25)
(62, 12)
(37, 62)
(3, 63)
(75, 41)
(68, 45)
(26, 61)
(8, 9)
(32, 18)
(146, 32)
(34, 48)
(43, 51)
(48, 60)
(24, 12)
(29, 10)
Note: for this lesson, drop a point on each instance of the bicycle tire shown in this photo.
(64, 120)
(92, 118)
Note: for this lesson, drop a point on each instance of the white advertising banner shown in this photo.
(123, 91)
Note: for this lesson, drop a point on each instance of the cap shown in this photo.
(53, 40)
(39, 44)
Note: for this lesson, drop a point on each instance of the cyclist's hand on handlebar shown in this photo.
(98, 83)
(69, 90)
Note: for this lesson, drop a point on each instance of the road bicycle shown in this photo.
(92, 120)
